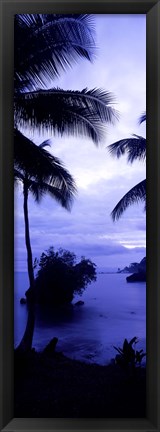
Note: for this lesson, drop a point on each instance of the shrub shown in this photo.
(127, 355)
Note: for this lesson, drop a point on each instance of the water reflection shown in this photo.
(57, 316)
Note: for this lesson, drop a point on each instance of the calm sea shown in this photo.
(113, 310)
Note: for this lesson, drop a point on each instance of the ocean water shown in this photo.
(113, 310)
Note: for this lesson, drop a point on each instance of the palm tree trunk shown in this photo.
(25, 345)
(27, 238)
(26, 342)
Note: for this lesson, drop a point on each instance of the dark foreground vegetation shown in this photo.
(52, 385)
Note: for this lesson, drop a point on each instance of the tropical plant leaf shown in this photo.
(18, 176)
(118, 349)
(143, 355)
(40, 189)
(139, 356)
(38, 162)
(133, 340)
(134, 148)
(47, 44)
(125, 345)
(142, 118)
(66, 112)
(46, 143)
(136, 194)
(38, 165)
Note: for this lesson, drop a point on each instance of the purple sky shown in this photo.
(120, 67)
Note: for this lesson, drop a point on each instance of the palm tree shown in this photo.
(135, 148)
(44, 46)
(40, 173)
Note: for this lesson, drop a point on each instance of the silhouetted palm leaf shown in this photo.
(42, 167)
(135, 148)
(18, 176)
(47, 44)
(142, 118)
(46, 143)
(40, 189)
(136, 194)
(65, 111)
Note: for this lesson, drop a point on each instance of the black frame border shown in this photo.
(7, 10)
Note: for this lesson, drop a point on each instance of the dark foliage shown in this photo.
(47, 44)
(134, 148)
(142, 118)
(69, 112)
(128, 356)
(59, 277)
(42, 172)
(63, 388)
(133, 196)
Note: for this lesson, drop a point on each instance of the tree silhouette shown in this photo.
(46, 45)
(135, 148)
(39, 173)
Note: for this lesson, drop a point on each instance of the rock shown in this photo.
(23, 301)
(50, 348)
(79, 303)
(137, 277)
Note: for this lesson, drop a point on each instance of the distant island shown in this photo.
(137, 270)
(107, 272)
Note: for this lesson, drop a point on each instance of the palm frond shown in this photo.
(134, 195)
(46, 45)
(66, 111)
(46, 143)
(60, 194)
(135, 148)
(18, 176)
(28, 20)
(41, 166)
(142, 118)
